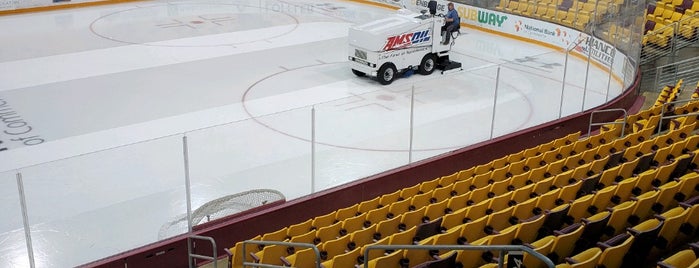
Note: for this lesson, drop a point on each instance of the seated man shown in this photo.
(452, 22)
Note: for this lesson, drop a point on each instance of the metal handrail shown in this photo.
(197, 256)
(589, 127)
(280, 243)
(500, 248)
(663, 116)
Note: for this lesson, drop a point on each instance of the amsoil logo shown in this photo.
(406, 40)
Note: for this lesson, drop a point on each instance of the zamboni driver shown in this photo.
(452, 22)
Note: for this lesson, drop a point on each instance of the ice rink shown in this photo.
(95, 103)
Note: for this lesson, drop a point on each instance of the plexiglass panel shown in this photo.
(93, 206)
(13, 247)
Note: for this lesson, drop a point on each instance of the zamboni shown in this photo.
(403, 42)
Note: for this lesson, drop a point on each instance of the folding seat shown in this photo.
(582, 146)
(548, 200)
(614, 249)
(271, 255)
(299, 228)
(331, 248)
(362, 237)
(624, 190)
(569, 192)
(450, 237)
(447, 259)
(436, 210)
(550, 14)
(420, 200)
(644, 163)
(305, 258)
(619, 220)
(466, 174)
(564, 242)
(426, 230)
(645, 235)
(594, 229)
(462, 187)
(500, 187)
(544, 186)
(414, 257)
(323, 220)
(688, 229)
(525, 210)
(689, 187)
(650, 123)
(554, 168)
(349, 259)
(352, 224)
(682, 258)
(471, 258)
(500, 202)
(458, 202)
(608, 177)
(474, 230)
(628, 169)
(589, 183)
(578, 209)
(390, 260)
(347, 212)
(479, 210)
(481, 180)
(643, 207)
(606, 162)
(412, 218)
(672, 221)
(503, 237)
(428, 186)
(398, 208)
(601, 200)
(666, 197)
(555, 218)
(499, 220)
(529, 229)
(375, 216)
(483, 169)
(448, 180)
(235, 254)
(499, 174)
(376, 253)
(538, 174)
(278, 235)
(585, 259)
(442, 193)
(544, 246)
(519, 181)
(307, 238)
(683, 163)
(406, 237)
(519, 167)
(454, 219)
(479, 194)
(563, 179)
(524, 193)
(540, 10)
(408, 192)
(367, 205)
(327, 233)
(386, 228)
(390, 198)
(645, 182)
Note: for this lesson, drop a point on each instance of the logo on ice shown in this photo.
(406, 40)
